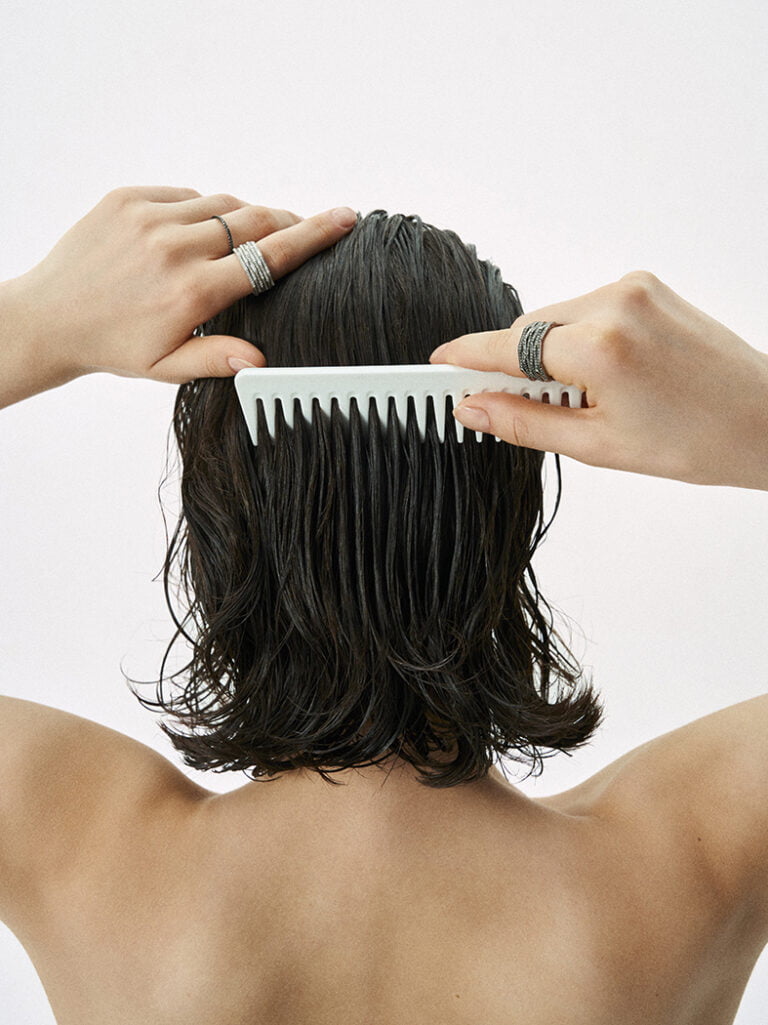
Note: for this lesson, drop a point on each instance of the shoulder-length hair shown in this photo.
(351, 593)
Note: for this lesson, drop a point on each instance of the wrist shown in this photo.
(750, 453)
(762, 480)
(32, 354)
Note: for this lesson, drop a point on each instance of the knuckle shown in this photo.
(610, 347)
(262, 221)
(142, 216)
(212, 363)
(637, 287)
(192, 299)
(227, 201)
(119, 197)
(165, 244)
(519, 431)
(122, 192)
(509, 422)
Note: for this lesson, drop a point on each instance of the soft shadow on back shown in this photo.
(301, 902)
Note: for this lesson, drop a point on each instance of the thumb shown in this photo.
(528, 422)
(206, 356)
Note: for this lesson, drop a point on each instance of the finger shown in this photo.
(155, 193)
(249, 223)
(252, 223)
(195, 211)
(283, 251)
(286, 250)
(207, 356)
(498, 350)
(201, 208)
(487, 350)
(531, 424)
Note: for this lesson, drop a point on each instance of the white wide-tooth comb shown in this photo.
(270, 385)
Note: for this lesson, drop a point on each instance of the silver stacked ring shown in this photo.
(218, 217)
(255, 266)
(529, 349)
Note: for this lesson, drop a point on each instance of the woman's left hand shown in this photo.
(123, 289)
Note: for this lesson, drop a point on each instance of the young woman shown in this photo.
(365, 614)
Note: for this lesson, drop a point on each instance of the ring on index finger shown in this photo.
(529, 349)
(218, 217)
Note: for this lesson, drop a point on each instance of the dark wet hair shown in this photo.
(350, 594)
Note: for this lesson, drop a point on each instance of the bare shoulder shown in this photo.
(63, 781)
(707, 779)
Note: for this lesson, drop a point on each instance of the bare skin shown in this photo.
(639, 896)
(142, 897)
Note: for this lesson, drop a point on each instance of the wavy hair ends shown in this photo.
(352, 592)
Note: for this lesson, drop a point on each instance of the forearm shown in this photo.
(30, 361)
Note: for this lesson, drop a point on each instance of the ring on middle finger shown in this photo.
(529, 349)
(255, 266)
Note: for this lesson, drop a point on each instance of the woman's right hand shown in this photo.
(670, 391)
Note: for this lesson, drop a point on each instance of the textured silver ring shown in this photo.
(529, 349)
(255, 266)
(218, 217)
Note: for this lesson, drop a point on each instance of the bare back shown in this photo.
(293, 902)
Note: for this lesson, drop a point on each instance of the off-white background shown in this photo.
(570, 143)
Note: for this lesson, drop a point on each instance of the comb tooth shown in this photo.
(420, 402)
(442, 415)
(382, 405)
(305, 407)
(288, 411)
(401, 409)
(382, 408)
(574, 396)
(364, 407)
(255, 435)
(279, 403)
(461, 431)
(270, 413)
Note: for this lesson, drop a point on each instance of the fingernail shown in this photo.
(239, 364)
(439, 351)
(473, 417)
(344, 216)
